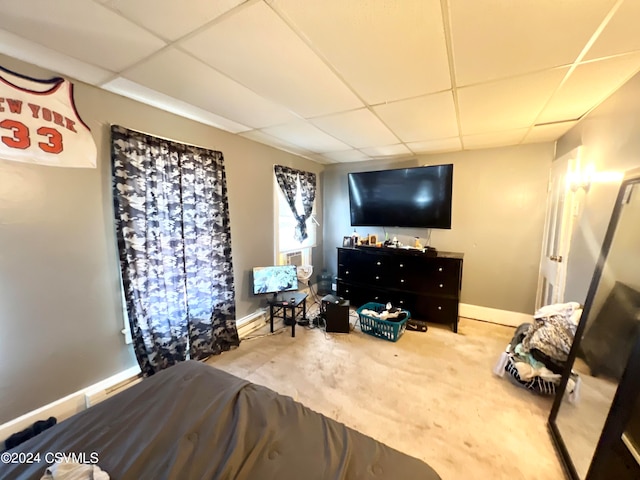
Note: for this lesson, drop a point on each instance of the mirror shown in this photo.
(605, 337)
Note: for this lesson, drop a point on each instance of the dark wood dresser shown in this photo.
(426, 284)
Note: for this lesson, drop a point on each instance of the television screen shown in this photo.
(274, 279)
(418, 197)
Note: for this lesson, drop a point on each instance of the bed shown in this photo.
(193, 421)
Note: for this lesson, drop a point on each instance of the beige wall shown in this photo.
(60, 307)
(610, 141)
(499, 200)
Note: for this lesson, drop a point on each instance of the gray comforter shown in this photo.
(193, 421)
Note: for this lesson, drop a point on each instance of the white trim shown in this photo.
(97, 395)
(252, 322)
(493, 315)
(65, 407)
(76, 402)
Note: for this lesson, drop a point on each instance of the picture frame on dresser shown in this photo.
(347, 242)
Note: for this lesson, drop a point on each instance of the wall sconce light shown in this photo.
(581, 180)
(585, 178)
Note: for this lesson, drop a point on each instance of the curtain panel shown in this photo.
(174, 241)
(288, 181)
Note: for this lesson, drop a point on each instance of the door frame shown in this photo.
(559, 225)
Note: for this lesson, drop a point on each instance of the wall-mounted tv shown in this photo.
(418, 197)
(275, 279)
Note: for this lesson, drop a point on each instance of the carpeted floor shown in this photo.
(431, 395)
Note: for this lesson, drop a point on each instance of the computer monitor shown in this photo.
(275, 279)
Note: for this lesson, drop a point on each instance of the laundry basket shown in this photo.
(385, 329)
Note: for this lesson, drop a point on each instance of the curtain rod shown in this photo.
(164, 138)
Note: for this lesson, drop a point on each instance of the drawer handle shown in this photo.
(377, 278)
(402, 280)
(378, 263)
(346, 291)
(441, 285)
(376, 298)
(440, 269)
(402, 302)
(401, 265)
(439, 308)
(347, 272)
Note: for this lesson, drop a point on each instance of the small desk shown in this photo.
(285, 301)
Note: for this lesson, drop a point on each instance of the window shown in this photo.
(288, 249)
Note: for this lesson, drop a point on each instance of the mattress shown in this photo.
(193, 421)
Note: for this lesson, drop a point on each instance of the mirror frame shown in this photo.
(632, 176)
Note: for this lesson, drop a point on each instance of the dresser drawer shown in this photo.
(348, 273)
(359, 295)
(404, 300)
(348, 292)
(441, 286)
(437, 309)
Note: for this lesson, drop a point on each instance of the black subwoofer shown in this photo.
(336, 314)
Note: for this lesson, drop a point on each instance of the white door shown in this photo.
(561, 211)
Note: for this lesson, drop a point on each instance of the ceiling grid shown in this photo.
(338, 81)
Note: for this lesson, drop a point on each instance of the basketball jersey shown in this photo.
(39, 123)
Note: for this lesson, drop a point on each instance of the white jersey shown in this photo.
(39, 123)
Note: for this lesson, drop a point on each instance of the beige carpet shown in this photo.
(431, 395)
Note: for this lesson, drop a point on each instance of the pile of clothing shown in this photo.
(391, 314)
(537, 354)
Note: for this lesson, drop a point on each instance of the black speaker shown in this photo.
(336, 314)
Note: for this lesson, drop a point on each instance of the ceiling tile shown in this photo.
(142, 94)
(358, 128)
(421, 119)
(387, 151)
(31, 52)
(588, 85)
(436, 146)
(181, 76)
(320, 158)
(384, 50)
(266, 139)
(494, 139)
(548, 132)
(171, 19)
(307, 136)
(506, 104)
(272, 61)
(81, 29)
(621, 33)
(348, 156)
(498, 39)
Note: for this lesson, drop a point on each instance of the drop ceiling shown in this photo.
(344, 80)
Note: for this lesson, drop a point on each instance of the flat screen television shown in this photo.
(418, 197)
(275, 279)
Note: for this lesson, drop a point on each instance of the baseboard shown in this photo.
(252, 322)
(68, 406)
(493, 315)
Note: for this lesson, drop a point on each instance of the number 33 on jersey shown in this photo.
(39, 123)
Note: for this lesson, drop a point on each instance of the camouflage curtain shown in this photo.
(288, 181)
(172, 224)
